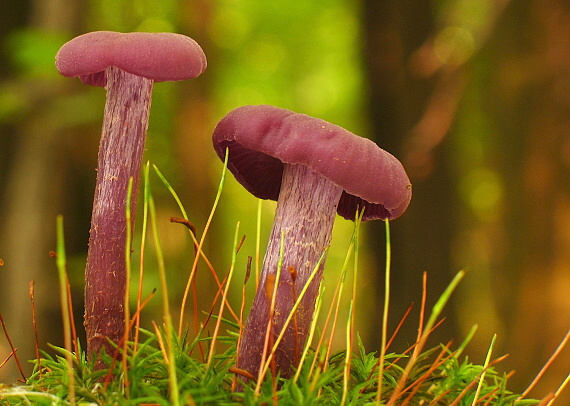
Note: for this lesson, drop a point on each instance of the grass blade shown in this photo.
(61, 263)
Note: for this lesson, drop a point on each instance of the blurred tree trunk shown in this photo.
(31, 202)
(500, 118)
(394, 30)
(194, 153)
(532, 109)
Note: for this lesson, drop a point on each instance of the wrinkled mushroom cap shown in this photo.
(262, 138)
(158, 56)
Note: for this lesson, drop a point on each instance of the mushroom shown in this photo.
(127, 65)
(313, 169)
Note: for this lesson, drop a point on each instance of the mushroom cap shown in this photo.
(159, 56)
(262, 138)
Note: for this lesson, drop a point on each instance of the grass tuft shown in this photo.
(171, 366)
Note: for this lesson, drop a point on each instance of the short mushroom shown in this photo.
(127, 65)
(313, 169)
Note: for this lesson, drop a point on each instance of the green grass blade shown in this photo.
(61, 263)
(172, 192)
(387, 278)
(173, 380)
(485, 365)
(442, 301)
(224, 296)
(128, 269)
(201, 243)
(146, 192)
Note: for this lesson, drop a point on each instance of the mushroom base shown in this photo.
(305, 214)
(120, 156)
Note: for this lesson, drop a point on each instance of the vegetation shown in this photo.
(466, 93)
(160, 367)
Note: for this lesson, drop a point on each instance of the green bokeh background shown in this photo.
(472, 96)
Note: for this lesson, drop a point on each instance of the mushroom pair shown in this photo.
(314, 170)
(127, 65)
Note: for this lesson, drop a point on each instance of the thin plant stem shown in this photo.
(273, 292)
(548, 400)
(222, 291)
(12, 348)
(347, 357)
(61, 263)
(192, 231)
(425, 332)
(128, 269)
(161, 344)
(243, 297)
(224, 296)
(74, 340)
(415, 386)
(140, 308)
(258, 242)
(466, 341)
(337, 295)
(142, 252)
(193, 280)
(355, 276)
(7, 359)
(201, 243)
(422, 307)
(399, 326)
(559, 390)
(293, 274)
(173, 381)
(35, 326)
(339, 289)
(442, 302)
(311, 334)
(469, 386)
(172, 192)
(338, 292)
(384, 313)
(547, 365)
(351, 313)
(241, 311)
(482, 378)
(191, 228)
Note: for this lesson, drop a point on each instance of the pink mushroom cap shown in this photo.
(262, 138)
(158, 56)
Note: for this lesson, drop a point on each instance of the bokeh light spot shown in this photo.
(454, 45)
(317, 93)
(482, 190)
(265, 56)
(229, 28)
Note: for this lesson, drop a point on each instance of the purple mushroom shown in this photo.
(127, 65)
(313, 169)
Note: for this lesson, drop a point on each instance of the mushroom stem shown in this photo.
(305, 214)
(121, 149)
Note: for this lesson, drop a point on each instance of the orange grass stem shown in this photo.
(547, 365)
(35, 326)
(12, 348)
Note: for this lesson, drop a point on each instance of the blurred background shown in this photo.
(473, 96)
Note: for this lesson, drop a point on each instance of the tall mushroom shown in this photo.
(313, 169)
(127, 65)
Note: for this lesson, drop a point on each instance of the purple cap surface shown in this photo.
(262, 138)
(158, 56)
